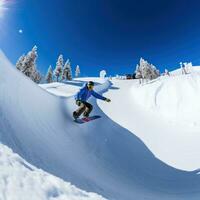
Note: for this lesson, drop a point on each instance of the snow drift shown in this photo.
(100, 157)
(176, 97)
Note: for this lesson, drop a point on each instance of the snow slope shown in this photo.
(61, 89)
(164, 114)
(102, 156)
(21, 181)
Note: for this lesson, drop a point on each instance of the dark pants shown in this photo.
(85, 108)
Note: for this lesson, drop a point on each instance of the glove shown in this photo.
(108, 100)
(78, 102)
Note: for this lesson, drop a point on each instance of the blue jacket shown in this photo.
(84, 94)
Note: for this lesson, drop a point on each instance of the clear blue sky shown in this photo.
(103, 34)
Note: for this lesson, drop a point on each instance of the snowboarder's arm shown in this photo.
(98, 96)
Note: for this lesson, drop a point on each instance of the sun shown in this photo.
(3, 7)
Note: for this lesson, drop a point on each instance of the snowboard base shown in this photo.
(86, 119)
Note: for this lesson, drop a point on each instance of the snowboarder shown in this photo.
(81, 100)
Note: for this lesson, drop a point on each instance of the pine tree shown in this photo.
(138, 72)
(59, 67)
(36, 77)
(77, 71)
(27, 65)
(19, 64)
(188, 67)
(67, 71)
(49, 75)
(146, 70)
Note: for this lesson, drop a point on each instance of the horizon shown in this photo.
(102, 35)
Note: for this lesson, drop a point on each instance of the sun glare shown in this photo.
(2, 7)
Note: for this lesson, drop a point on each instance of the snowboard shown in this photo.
(86, 119)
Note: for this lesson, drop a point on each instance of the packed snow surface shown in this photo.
(131, 152)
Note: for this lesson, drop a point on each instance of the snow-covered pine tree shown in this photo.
(77, 71)
(146, 70)
(27, 65)
(155, 73)
(188, 67)
(138, 72)
(36, 77)
(59, 67)
(67, 71)
(49, 75)
(19, 64)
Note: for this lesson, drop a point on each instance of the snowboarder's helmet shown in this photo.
(90, 83)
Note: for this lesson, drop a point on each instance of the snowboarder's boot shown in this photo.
(85, 115)
(75, 115)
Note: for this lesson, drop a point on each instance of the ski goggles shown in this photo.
(90, 87)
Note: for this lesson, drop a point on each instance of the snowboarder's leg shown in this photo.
(80, 110)
(88, 109)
